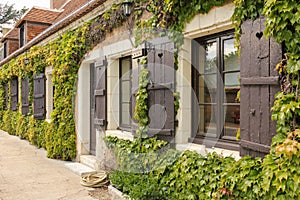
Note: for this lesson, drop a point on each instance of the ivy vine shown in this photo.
(141, 106)
(65, 55)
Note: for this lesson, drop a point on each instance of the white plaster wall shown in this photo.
(216, 20)
(113, 94)
(83, 110)
(184, 87)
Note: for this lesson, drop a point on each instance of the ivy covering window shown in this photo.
(125, 92)
(216, 83)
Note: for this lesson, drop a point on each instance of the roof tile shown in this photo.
(40, 15)
(70, 7)
(12, 34)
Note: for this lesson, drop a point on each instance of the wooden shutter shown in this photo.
(100, 94)
(6, 96)
(14, 93)
(259, 84)
(39, 96)
(25, 95)
(161, 89)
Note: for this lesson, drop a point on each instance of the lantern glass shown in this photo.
(127, 7)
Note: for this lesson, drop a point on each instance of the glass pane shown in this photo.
(231, 58)
(125, 114)
(125, 91)
(207, 123)
(232, 80)
(125, 69)
(207, 88)
(208, 58)
(232, 120)
(231, 95)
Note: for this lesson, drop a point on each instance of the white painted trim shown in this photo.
(209, 30)
(202, 150)
(120, 134)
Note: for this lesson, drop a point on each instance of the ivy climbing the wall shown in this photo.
(141, 106)
(65, 55)
(274, 177)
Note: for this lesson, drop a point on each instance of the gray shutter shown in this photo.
(100, 94)
(161, 89)
(6, 96)
(259, 84)
(14, 93)
(25, 95)
(39, 96)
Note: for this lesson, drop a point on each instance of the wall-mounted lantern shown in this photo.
(127, 7)
(26, 61)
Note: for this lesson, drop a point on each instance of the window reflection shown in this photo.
(218, 84)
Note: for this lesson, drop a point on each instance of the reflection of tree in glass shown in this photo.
(231, 61)
(210, 64)
(210, 58)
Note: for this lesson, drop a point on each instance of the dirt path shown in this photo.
(26, 173)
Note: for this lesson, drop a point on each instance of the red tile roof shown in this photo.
(12, 34)
(70, 7)
(40, 15)
(60, 22)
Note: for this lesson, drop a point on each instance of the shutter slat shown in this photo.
(255, 146)
(38, 96)
(273, 80)
(100, 92)
(160, 86)
(100, 122)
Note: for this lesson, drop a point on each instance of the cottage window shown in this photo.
(5, 49)
(216, 84)
(22, 35)
(125, 92)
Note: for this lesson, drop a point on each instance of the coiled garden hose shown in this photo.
(96, 179)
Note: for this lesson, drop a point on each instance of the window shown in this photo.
(22, 35)
(125, 92)
(5, 49)
(216, 84)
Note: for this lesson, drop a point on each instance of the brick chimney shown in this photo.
(57, 4)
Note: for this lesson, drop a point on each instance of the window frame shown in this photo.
(122, 125)
(220, 139)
